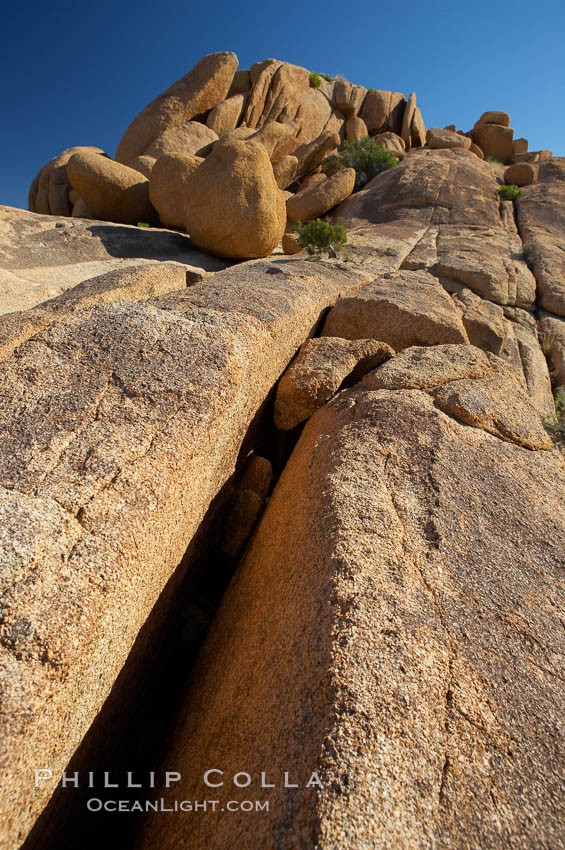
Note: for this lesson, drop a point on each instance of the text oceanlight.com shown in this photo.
(94, 804)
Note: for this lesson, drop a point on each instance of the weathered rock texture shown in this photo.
(541, 221)
(534, 364)
(50, 190)
(42, 257)
(136, 282)
(401, 309)
(427, 368)
(437, 138)
(495, 140)
(463, 236)
(321, 197)
(235, 179)
(382, 111)
(275, 104)
(394, 627)
(553, 338)
(281, 92)
(143, 164)
(520, 174)
(111, 190)
(285, 170)
(91, 527)
(188, 138)
(483, 320)
(395, 623)
(227, 114)
(524, 384)
(167, 187)
(318, 370)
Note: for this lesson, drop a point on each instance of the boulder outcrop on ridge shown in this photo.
(365, 451)
(462, 236)
(292, 112)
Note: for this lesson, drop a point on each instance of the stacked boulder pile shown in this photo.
(222, 151)
(284, 519)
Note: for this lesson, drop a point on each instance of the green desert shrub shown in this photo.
(509, 192)
(316, 79)
(318, 236)
(365, 156)
(143, 224)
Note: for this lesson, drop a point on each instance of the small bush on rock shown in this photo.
(509, 192)
(318, 236)
(365, 156)
(315, 80)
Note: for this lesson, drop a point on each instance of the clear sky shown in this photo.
(76, 73)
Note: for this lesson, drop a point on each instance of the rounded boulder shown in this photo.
(234, 207)
(110, 190)
(321, 197)
(437, 138)
(167, 186)
(495, 140)
(521, 174)
(494, 116)
(188, 138)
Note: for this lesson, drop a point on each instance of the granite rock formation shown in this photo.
(298, 519)
(284, 107)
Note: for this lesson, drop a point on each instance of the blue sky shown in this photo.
(76, 73)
